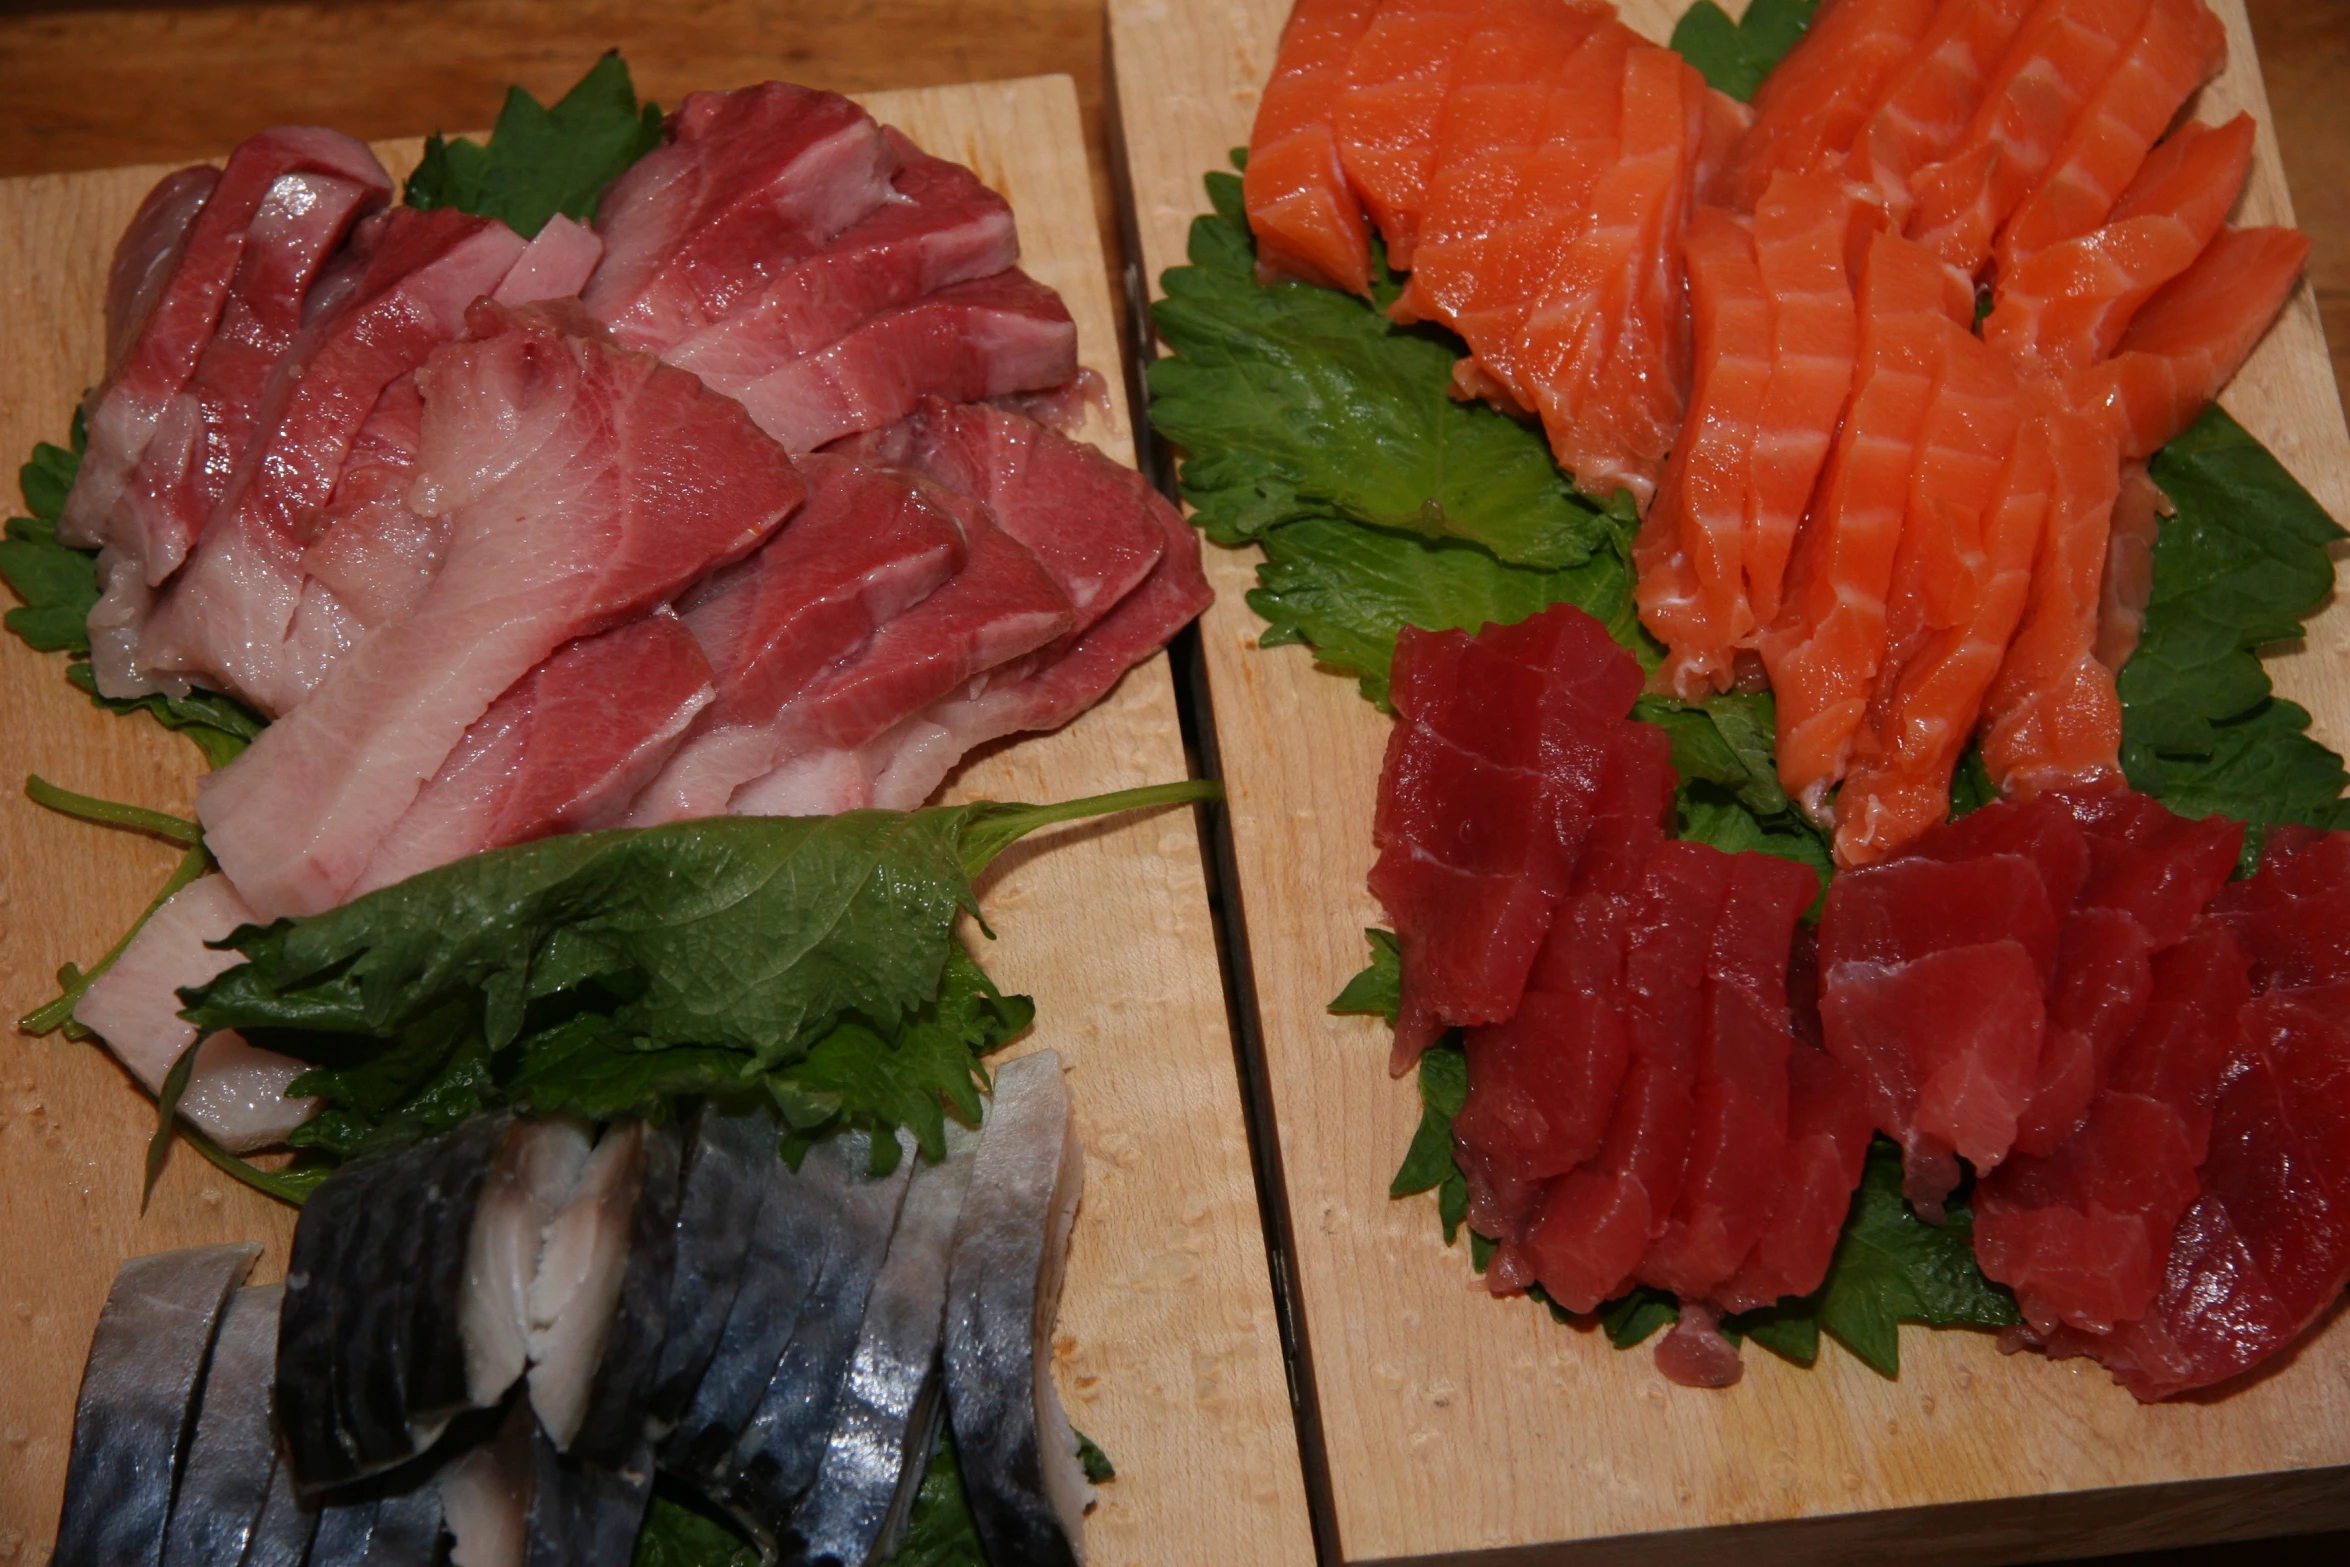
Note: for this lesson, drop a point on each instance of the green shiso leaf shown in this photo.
(539, 160)
(1736, 56)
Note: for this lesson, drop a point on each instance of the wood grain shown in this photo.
(1460, 1427)
(1167, 1350)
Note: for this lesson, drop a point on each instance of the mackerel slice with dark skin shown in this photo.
(434, 1294)
(726, 1171)
(400, 1528)
(371, 1395)
(1028, 1495)
(136, 1414)
(886, 1413)
(584, 1513)
(780, 1449)
(234, 1452)
(612, 1432)
(574, 1298)
(281, 1535)
(536, 1168)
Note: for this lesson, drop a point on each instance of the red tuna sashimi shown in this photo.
(2294, 917)
(2080, 1234)
(1806, 233)
(866, 547)
(564, 750)
(1307, 222)
(1598, 1221)
(148, 253)
(152, 367)
(743, 183)
(941, 227)
(1478, 822)
(2191, 338)
(1817, 100)
(1691, 548)
(2180, 47)
(582, 485)
(372, 555)
(1828, 644)
(1738, 1138)
(556, 264)
(1392, 93)
(1530, 126)
(2160, 869)
(1604, 350)
(997, 335)
(2065, 307)
(1926, 106)
(2099, 994)
(2052, 718)
(1828, 1135)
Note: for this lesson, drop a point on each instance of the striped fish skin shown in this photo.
(584, 1513)
(281, 1535)
(613, 1428)
(233, 1457)
(726, 1172)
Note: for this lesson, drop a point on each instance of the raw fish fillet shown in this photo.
(2098, 996)
(148, 253)
(574, 1296)
(232, 1452)
(1307, 222)
(1817, 101)
(612, 1428)
(727, 1163)
(2128, 588)
(556, 264)
(1399, 87)
(1928, 102)
(532, 1175)
(583, 486)
(744, 183)
(371, 557)
(1828, 1135)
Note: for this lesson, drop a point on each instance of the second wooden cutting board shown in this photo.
(1458, 1427)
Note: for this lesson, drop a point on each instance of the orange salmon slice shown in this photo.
(1929, 102)
(1397, 78)
(1815, 102)
(1307, 220)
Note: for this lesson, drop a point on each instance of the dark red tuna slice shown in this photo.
(2102, 980)
(2041, 830)
(2160, 868)
(1828, 1135)
(2294, 916)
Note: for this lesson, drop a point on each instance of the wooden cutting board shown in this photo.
(1167, 1350)
(1456, 1427)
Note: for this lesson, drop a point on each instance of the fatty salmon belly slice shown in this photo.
(1825, 650)
(940, 227)
(1597, 1222)
(151, 360)
(2181, 46)
(989, 338)
(1738, 1135)
(744, 182)
(990, 620)
(1828, 1136)
(1926, 106)
(241, 617)
(2081, 1233)
(564, 750)
(1817, 100)
(2065, 308)
(2061, 56)
(1692, 583)
(583, 485)
(1960, 578)
(2192, 337)
(2052, 718)
(867, 547)
(1529, 126)
(1604, 350)
(1393, 89)
(1307, 220)
(1808, 234)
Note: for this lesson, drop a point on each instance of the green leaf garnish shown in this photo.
(1736, 56)
(541, 161)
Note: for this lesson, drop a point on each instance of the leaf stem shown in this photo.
(270, 1183)
(167, 1106)
(996, 827)
(58, 1012)
(112, 813)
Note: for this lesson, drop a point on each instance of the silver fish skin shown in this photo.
(777, 1454)
(886, 1413)
(613, 1429)
(132, 1420)
(726, 1170)
(1019, 1456)
(401, 1529)
(584, 1513)
(310, 1326)
(433, 1295)
(234, 1452)
(281, 1535)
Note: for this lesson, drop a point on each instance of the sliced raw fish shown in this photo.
(400, 1529)
(372, 558)
(555, 265)
(987, 338)
(332, 1225)
(744, 182)
(728, 1162)
(887, 1409)
(149, 252)
(575, 1295)
(1928, 102)
(2128, 588)
(867, 547)
(136, 1412)
(281, 1535)
(1394, 87)
(1028, 1495)
(940, 227)
(236, 1092)
(779, 1450)
(537, 1166)
(1828, 1135)
(2100, 991)
(1308, 222)
(611, 1433)
(486, 1494)
(1696, 1353)
(561, 463)
(233, 1452)
(564, 750)
(1818, 100)
(584, 1513)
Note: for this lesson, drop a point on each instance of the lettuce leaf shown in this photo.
(541, 161)
(1736, 56)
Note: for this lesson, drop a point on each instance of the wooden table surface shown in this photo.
(92, 85)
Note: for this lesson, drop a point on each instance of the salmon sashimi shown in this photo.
(2138, 510)
(2065, 307)
(1726, 123)
(2061, 56)
(1807, 233)
(1531, 126)
(2181, 47)
(1692, 585)
(1824, 651)
(2052, 718)
(1605, 349)
(1929, 102)
(2191, 338)
(1961, 579)
(1307, 220)
(1816, 101)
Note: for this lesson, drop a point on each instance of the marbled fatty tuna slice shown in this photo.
(583, 485)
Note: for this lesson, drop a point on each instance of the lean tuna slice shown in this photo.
(233, 1452)
(583, 485)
